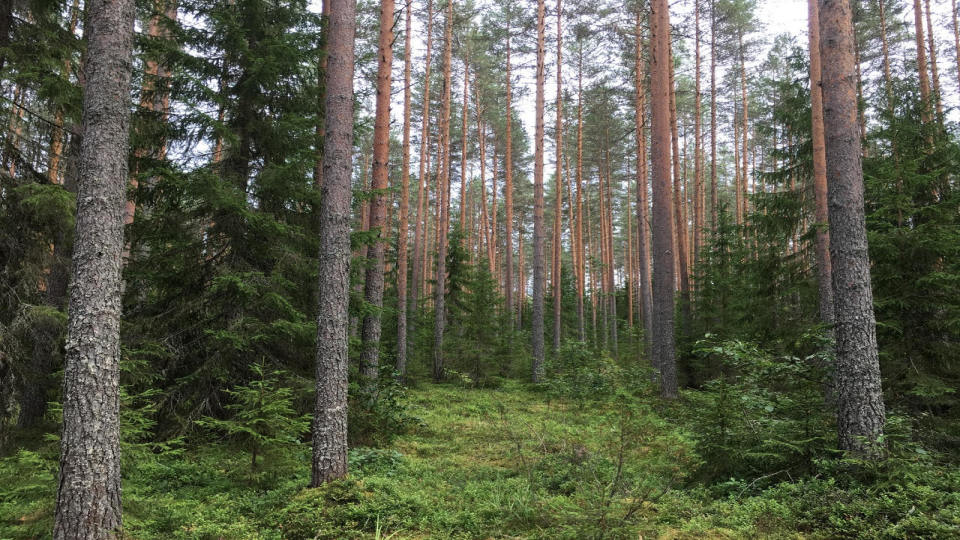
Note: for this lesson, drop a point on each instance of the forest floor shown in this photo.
(481, 463)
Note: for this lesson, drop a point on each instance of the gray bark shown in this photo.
(860, 411)
(88, 494)
(330, 413)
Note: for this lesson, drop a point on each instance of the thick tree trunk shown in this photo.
(373, 287)
(88, 495)
(822, 238)
(679, 203)
(539, 278)
(330, 413)
(860, 410)
(443, 198)
(664, 356)
(402, 232)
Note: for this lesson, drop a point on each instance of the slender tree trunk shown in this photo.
(921, 60)
(463, 140)
(860, 409)
(88, 494)
(678, 209)
(558, 201)
(419, 236)
(745, 130)
(714, 202)
(508, 191)
(885, 50)
(402, 231)
(698, 195)
(663, 269)
(373, 288)
(443, 197)
(643, 206)
(581, 271)
(538, 232)
(330, 413)
(956, 35)
(934, 70)
(822, 238)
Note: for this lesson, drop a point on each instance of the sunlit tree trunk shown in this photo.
(934, 70)
(921, 60)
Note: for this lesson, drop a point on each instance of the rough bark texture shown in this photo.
(443, 198)
(330, 413)
(538, 233)
(697, 147)
(88, 494)
(822, 239)
(664, 356)
(643, 224)
(860, 411)
(402, 233)
(373, 287)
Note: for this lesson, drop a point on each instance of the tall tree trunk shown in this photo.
(418, 271)
(373, 287)
(860, 409)
(443, 197)
(581, 271)
(463, 140)
(402, 231)
(956, 35)
(508, 191)
(330, 413)
(88, 494)
(922, 60)
(643, 206)
(698, 195)
(714, 202)
(678, 209)
(745, 130)
(558, 201)
(822, 238)
(934, 70)
(664, 356)
(538, 232)
(885, 50)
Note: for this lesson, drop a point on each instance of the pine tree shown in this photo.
(88, 496)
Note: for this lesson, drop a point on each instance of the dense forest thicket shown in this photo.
(478, 268)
